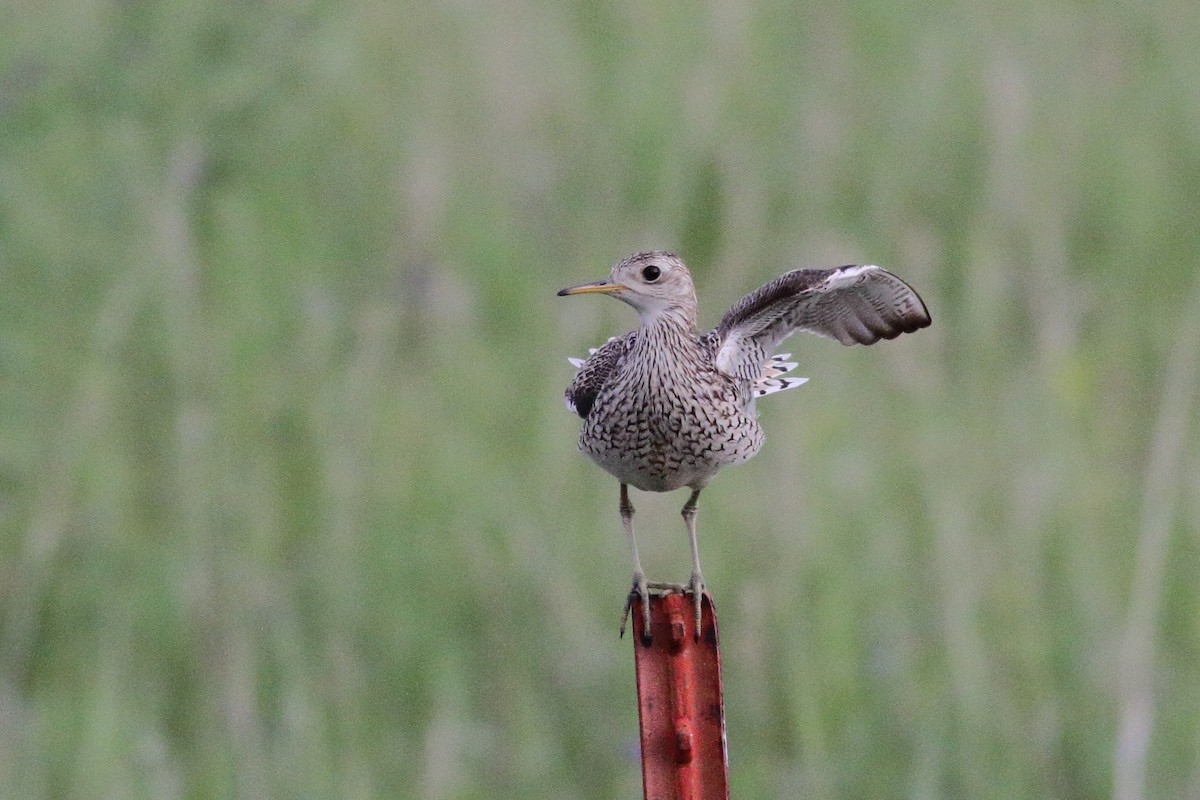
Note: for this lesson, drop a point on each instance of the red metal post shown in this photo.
(681, 711)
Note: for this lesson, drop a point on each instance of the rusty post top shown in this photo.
(681, 710)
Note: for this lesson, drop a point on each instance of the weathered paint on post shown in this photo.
(681, 711)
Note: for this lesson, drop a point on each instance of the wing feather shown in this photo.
(852, 304)
(595, 371)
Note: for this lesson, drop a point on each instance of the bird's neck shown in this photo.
(668, 331)
(670, 322)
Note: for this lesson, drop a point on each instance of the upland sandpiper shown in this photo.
(665, 406)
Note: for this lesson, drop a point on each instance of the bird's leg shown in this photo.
(639, 588)
(696, 585)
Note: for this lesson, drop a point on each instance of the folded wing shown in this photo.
(595, 371)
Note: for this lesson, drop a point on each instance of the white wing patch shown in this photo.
(848, 275)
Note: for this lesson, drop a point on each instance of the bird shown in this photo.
(666, 406)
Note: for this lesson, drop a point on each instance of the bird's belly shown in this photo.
(648, 476)
(659, 446)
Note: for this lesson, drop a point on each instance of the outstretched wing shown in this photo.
(595, 371)
(852, 304)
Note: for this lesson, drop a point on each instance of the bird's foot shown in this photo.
(639, 591)
(643, 589)
(696, 587)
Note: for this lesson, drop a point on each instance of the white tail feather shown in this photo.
(765, 386)
(579, 362)
(769, 381)
(777, 365)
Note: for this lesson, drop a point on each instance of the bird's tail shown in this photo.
(579, 362)
(770, 381)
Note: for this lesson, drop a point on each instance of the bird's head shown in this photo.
(656, 283)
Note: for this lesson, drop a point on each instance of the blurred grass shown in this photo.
(291, 508)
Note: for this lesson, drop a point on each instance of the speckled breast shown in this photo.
(659, 430)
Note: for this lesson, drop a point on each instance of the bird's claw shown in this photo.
(640, 590)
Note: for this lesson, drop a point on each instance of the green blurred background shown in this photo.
(290, 504)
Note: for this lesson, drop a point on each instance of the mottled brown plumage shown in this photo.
(666, 407)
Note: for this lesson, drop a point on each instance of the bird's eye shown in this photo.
(651, 273)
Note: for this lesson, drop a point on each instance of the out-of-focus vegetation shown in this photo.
(290, 504)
